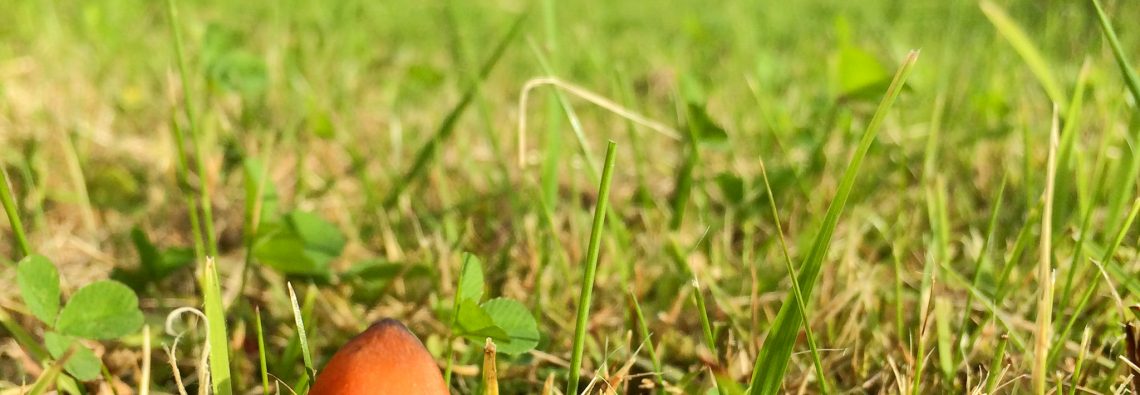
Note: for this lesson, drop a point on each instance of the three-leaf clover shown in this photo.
(99, 311)
(506, 321)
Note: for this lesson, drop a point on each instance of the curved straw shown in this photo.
(589, 96)
(169, 328)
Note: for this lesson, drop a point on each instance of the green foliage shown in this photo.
(476, 323)
(115, 186)
(703, 128)
(370, 278)
(506, 321)
(856, 73)
(725, 385)
(39, 286)
(732, 186)
(471, 279)
(259, 190)
(154, 264)
(231, 67)
(82, 365)
(101, 310)
(518, 325)
(343, 110)
(303, 244)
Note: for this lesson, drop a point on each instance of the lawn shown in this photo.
(626, 197)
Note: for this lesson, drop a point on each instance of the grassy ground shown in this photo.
(391, 129)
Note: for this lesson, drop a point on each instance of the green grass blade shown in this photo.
(800, 302)
(195, 132)
(1080, 361)
(591, 269)
(302, 334)
(1130, 77)
(984, 251)
(996, 365)
(946, 349)
(554, 109)
(48, 377)
(936, 262)
(773, 360)
(183, 176)
(218, 336)
(643, 332)
(429, 150)
(1020, 41)
(1043, 333)
(618, 228)
(1066, 166)
(1106, 260)
(900, 316)
(924, 295)
(1124, 188)
(703, 315)
(571, 117)
(9, 202)
(467, 257)
(263, 366)
(22, 337)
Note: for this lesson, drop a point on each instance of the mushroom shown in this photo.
(386, 359)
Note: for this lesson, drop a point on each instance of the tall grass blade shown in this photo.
(263, 366)
(22, 337)
(703, 314)
(9, 202)
(773, 360)
(1020, 41)
(554, 104)
(946, 349)
(302, 334)
(1045, 270)
(218, 338)
(996, 365)
(925, 293)
(429, 150)
(183, 177)
(1132, 81)
(800, 302)
(591, 269)
(1130, 76)
(643, 332)
(983, 253)
(1080, 362)
(1067, 181)
(1090, 289)
(195, 133)
(48, 377)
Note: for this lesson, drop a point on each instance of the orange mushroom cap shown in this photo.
(386, 359)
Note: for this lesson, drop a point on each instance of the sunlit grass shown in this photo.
(963, 227)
